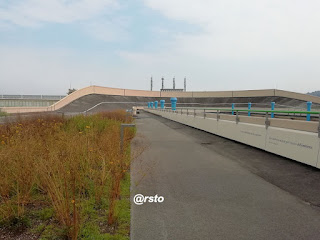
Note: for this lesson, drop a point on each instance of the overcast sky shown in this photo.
(46, 45)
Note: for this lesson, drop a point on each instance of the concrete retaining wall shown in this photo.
(301, 146)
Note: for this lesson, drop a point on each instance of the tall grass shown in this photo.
(64, 164)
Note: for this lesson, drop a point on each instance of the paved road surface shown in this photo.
(210, 195)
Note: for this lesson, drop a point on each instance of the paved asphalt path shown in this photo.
(211, 194)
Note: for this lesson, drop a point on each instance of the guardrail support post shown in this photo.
(187, 111)
(272, 108)
(309, 104)
(232, 106)
(267, 122)
(123, 125)
(218, 115)
(181, 111)
(194, 112)
(319, 127)
(204, 113)
(237, 117)
(249, 107)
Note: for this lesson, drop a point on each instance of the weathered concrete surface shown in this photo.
(218, 189)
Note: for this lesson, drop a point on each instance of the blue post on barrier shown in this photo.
(249, 107)
(273, 104)
(151, 104)
(155, 104)
(309, 104)
(173, 103)
(232, 106)
(148, 104)
(162, 103)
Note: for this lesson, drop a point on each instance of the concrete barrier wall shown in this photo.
(126, 92)
(300, 146)
(274, 122)
(254, 93)
(24, 109)
(299, 96)
(104, 90)
(297, 145)
(141, 93)
(252, 120)
(176, 94)
(213, 94)
(295, 125)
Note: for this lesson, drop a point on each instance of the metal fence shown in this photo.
(308, 115)
(32, 97)
(28, 100)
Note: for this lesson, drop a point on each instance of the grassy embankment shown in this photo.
(65, 178)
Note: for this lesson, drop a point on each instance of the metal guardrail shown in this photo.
(220, 111)
(253, 110)
(241, 104)
(32, 97)
(243, 110)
